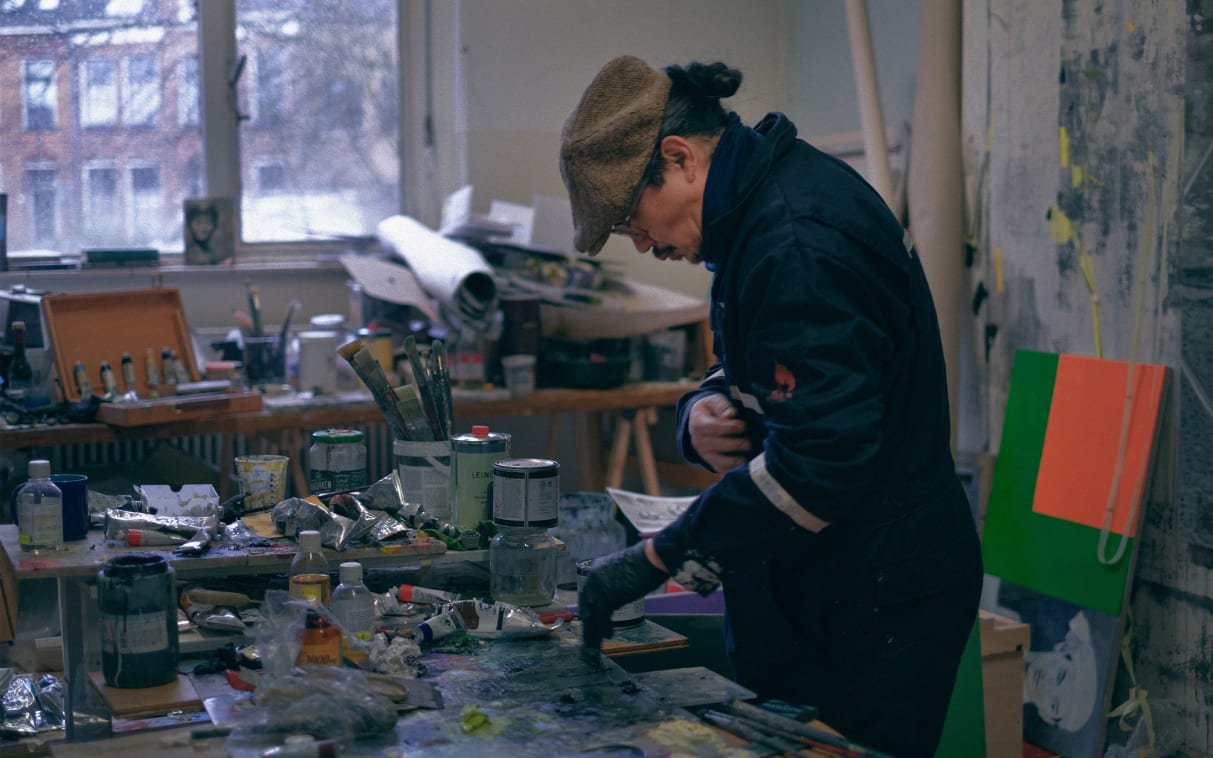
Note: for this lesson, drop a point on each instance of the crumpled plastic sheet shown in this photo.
(32, 704)
(343, 523)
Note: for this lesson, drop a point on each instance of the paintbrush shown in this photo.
(408, 404)
(734, 725)
(442, 388)
(284, 332)
(254, 307)
(371, 373)
(791, 728)
(425, 390)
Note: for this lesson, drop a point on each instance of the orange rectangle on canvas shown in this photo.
(1083, 439)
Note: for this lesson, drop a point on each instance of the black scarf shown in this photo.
(720, 190)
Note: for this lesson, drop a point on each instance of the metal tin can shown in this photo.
(336, 461)
(526, 492)
(472, 459)
(629, 614)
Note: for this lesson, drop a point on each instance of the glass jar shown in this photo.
(522, 566)
(336, 461)
(588, 529)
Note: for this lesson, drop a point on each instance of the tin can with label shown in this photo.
(473, 456)
(336, 461)
(629, 614)
(526, 492)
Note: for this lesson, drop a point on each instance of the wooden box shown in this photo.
(101, 326)
(166, 410)
(1003, 643)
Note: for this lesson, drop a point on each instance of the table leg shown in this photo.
(73, 615)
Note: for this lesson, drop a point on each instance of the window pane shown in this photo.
(40, 94)
(142, 90)
(114, 172)
(325, 116)
(98, 92)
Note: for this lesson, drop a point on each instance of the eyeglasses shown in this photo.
(624, 228)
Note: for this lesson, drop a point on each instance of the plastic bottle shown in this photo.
(19, 384)
(310, 569)
(40, 510)
(354, 606)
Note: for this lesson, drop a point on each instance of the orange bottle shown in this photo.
(320, 643)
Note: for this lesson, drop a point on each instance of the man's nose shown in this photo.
(642, 242)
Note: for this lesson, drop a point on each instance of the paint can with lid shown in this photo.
(336, 461)
(629, 614)
(137, 595)
(472, 459)
(526, 492)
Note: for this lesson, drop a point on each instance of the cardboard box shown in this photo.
(1003, 643)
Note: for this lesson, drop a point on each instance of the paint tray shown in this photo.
(101, 326)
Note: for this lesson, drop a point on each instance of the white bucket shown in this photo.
(425, 474)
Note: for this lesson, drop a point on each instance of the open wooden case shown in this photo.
(101, 326)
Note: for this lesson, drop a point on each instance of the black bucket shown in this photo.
(137, 593)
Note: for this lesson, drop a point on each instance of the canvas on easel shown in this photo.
(1064, 514)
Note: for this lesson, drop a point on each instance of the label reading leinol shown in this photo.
(472, 459)
(526, 492)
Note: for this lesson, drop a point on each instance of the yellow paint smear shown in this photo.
(1076, 174)
(1060, 226)
(683, 737)
(999, 283)
(1063, 144)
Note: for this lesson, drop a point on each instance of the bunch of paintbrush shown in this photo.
(430, 381)
(782, 734)
(372, 375)
(419, 410)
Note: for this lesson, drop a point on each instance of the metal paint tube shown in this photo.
(526, 492)
(443, 625)
(629, 614)
(472, 458)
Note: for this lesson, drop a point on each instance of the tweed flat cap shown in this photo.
(606, 144)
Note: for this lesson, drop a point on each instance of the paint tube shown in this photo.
(443, 625)
(500, 621)
(150, 538)
(409, 593)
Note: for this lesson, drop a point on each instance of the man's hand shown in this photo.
(718, 434)
(614, 580)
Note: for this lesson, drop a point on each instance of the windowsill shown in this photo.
(320, 263)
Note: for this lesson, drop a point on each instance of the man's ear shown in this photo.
(679, 152)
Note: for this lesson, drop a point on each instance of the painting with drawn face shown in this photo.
(208, 241)
(1066, 672)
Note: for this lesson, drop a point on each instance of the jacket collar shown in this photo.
(742, 159)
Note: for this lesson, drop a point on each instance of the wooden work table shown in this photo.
(282, 421)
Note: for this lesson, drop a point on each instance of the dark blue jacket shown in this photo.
(827, 338)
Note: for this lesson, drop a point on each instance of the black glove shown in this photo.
(614, 580)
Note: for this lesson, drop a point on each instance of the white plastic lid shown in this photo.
(351, 572)
(309, 540)
(39, 468)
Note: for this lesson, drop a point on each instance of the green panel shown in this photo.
(964, 729)
(1042, 553)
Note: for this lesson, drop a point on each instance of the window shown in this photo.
(270, 95)
(40, 94)
(304, 136)
(102, 223)
(98, 93)
(141, 99)
(322, 69)
(40, 193)
(146, 208)
(187, 91)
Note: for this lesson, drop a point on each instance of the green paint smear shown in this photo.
(1045, 554)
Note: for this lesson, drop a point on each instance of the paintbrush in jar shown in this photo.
(408, 403)
(371, 373)
(425, 387)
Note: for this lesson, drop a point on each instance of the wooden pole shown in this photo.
(875, 145)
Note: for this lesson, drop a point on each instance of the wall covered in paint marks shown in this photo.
(1090, 212)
